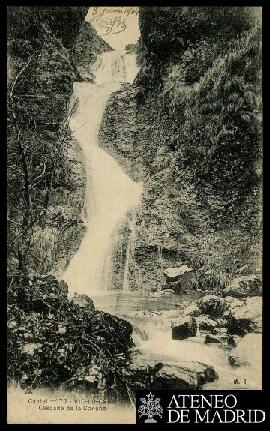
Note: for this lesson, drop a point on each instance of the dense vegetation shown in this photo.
(193, 134)
(45, 185)
(52, 342)
(47, 48)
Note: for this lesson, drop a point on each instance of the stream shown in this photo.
(150, 317)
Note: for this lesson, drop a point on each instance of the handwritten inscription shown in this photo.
(112, 20)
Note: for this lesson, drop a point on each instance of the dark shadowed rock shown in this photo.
(233, 340)
(206, 324)
(145, 371)
(184, 328)
(212, 305)
(211, 339)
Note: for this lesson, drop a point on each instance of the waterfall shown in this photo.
(110, 193)
(129, 252)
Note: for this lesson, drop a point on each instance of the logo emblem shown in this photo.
(150, 407)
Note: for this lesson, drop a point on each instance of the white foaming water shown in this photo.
(110, 193)
(159, 345)
(151, 320)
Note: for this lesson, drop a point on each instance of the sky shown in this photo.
(118, 26)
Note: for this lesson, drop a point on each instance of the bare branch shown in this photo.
(19, 74)
(40, 175)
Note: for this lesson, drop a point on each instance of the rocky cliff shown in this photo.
(87, 47)
(190, 128)
(48, 48)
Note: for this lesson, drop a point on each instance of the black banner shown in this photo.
(204, 407)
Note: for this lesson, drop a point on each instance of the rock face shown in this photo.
(146, 372)
(212, 305)
(245, 285)
(88, 45)
(248, 352)
(245, 317)
(184, 328)
(34, 34)
(151, 153)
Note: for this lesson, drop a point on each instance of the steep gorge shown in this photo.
(190, 129)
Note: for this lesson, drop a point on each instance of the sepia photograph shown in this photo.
(134, 252)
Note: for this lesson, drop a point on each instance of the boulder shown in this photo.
(211, 339)
(192, 310)
(248, 352)
(246, 318)
(83, 301)
(233, 340)
(206, 324)
(180, 279)
(174, 274)
(171, 376)
(184, 328)
(145, 371)
(212, 305)
(244, 285)
(221, 323)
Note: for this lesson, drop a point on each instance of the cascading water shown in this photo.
(110, 193)
(157, 333)
(129, 252)
(112, 198)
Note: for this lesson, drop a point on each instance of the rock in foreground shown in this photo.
(146, 372)
(248, 351)
(184, 328)
(52, 340)
(246, 317)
